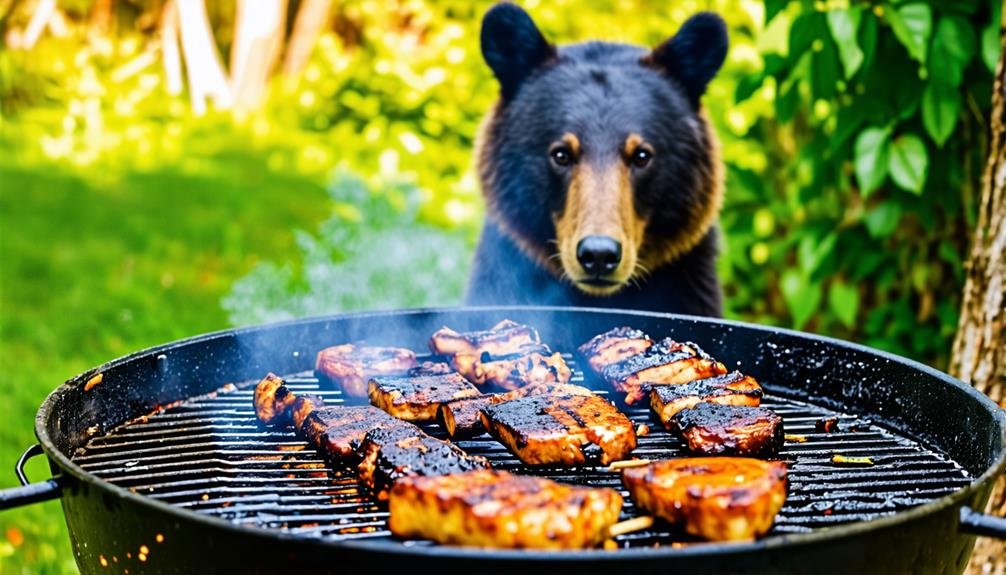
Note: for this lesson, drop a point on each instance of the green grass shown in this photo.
(101, 261)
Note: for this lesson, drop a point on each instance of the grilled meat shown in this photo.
(666, 362)
(504, 338)
(339, 431)
(385, 447)
(461, 417)
(566, 429)
(351, 366)
(302, 407)
(718, 498)
(733, 388)
(534, 363)
(488, 508)
(430, 368)
(391, 454)
(418, 398)
(614, 346)
(713, 429)
(273, 400)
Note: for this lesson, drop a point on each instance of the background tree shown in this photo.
(980, 346)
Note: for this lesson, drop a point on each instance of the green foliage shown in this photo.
(852, 132)
(875, 166)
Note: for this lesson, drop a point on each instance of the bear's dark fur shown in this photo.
(599, 140)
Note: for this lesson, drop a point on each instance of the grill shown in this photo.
(162, 467)
(211, 455)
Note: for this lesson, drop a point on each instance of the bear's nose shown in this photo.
(599, 255)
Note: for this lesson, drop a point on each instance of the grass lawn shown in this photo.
(96, 266)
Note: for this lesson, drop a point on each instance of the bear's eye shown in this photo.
(641, 157)
(561, 156)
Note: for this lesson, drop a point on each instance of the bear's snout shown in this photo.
(599, 255)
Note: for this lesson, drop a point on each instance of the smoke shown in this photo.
(374, 253)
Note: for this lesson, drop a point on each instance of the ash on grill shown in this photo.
(211, 455)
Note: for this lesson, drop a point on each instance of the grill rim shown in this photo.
(447, 552)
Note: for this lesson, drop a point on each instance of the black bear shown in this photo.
(601, 173)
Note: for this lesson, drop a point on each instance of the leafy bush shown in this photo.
(853, 134)
(859, 224)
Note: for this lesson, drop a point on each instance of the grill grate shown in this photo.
(209, 454)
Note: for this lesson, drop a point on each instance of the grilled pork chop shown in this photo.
(532, 363)
(614, 346)
(718, 498)
(666, 362)
(488, 508)
(504, 338)
(733, 388)
(568, 429)
(714, 429)
(351, 366)
(418, 398)
(338, 431)
(461, 417)
(273, 400)
(393, 453)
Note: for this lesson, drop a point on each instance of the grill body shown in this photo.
(154, 529)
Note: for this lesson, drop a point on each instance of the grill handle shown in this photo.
(29, 492)
(977, 523)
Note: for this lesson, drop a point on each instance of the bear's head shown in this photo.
(598, 160)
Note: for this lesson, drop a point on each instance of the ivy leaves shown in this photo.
(908, 163)
(844, 25)
(912, 24)
(944, 53)
(876, 155)
(876, 94)
(871, 159)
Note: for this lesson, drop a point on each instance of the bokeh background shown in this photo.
(330, 169)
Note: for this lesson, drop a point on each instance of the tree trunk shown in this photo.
(39, 20)
(979, 354)
(259, 30)
(101, 17)
(206, 74)
(169, 49)
(311, 18)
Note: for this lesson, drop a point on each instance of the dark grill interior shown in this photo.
(209, 454)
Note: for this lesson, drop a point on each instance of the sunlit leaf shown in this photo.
(843, 300)
(802, 297)
(813, 251)
(941, 105)
(953, 47)
(871, 163)
(913, 25)
(990, 45)
(844, 25)
(909, 162)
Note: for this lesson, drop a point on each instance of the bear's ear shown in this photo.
(694, 54)
(512, 46)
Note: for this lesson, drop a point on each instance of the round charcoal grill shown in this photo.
(163, 467)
